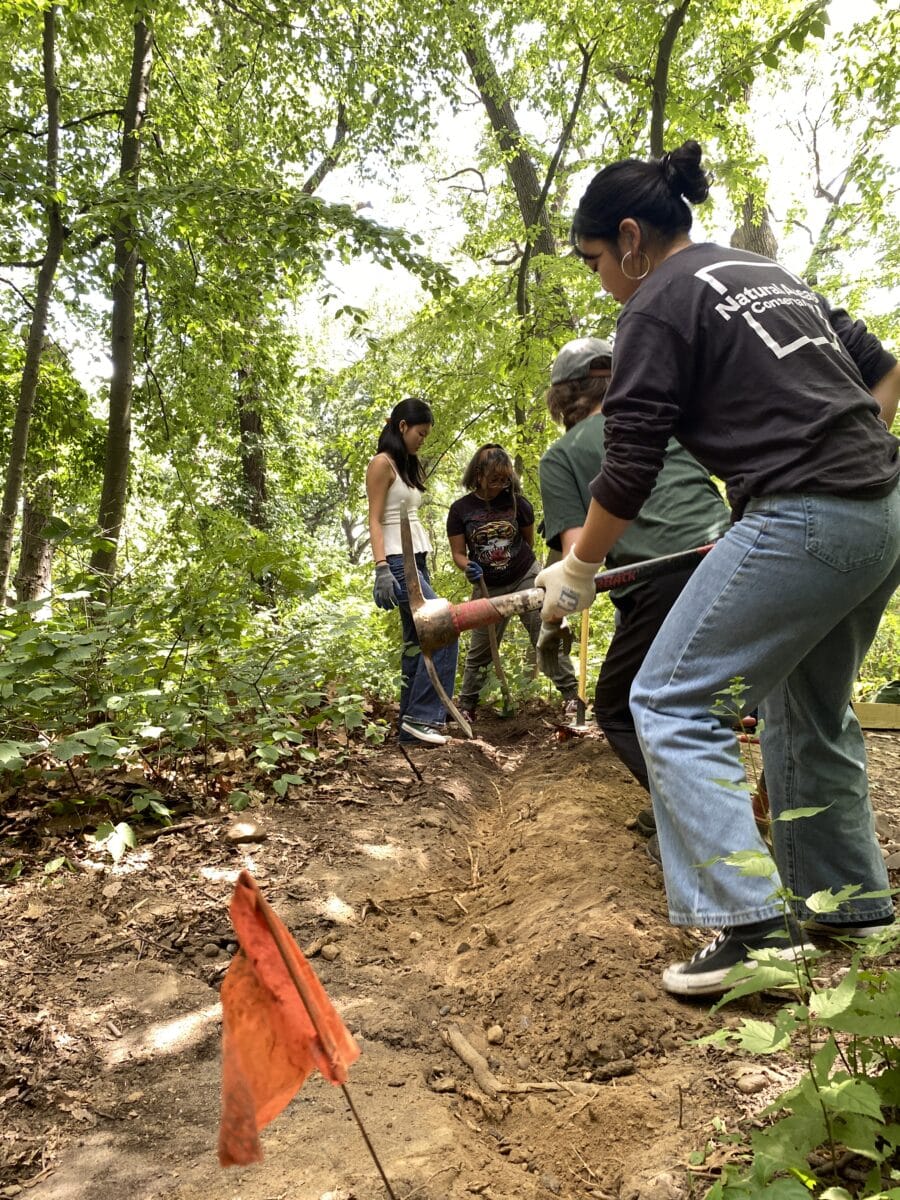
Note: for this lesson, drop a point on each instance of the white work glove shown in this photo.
(554, 639)
(568, 587)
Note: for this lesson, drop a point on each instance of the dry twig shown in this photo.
(477, 1063)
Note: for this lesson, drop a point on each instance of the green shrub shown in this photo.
(847, 1102)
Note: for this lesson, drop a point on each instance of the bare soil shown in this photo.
(500, 902)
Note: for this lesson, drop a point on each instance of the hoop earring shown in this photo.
(643, 274)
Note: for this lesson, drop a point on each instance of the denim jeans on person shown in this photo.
(789, 601)
(418, 699)
(478, 657)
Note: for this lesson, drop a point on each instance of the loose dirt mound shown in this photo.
(498, 907)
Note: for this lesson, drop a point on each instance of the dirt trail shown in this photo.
(503, 897)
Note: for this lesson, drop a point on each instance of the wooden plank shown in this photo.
(878, 716)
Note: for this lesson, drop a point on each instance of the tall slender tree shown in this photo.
(37, 330)
(126, 240)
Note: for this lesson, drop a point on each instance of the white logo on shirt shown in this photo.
(753, 304)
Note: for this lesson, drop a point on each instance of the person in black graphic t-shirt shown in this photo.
(491, 532)
(787, 400)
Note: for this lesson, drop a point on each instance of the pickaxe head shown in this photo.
(440, 623)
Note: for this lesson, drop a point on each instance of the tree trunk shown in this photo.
(824, 247)
(253, 455)
(522, 303)
(520, 165)
(531, 195)
(755, 233)
(356, 537)
(660, 95)
(248, 400)
(32, 579)
(15, 471)
(125, 241)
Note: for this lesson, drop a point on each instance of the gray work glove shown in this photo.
(554, 639)
(385, 592)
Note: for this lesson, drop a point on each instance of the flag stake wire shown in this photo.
(324, 1038)
(414, 768)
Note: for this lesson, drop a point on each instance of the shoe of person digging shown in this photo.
(570, 709)
(861, 929)
(467, 713)
(646, 822)
(704, 973)
(420, 732)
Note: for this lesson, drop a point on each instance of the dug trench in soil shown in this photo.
(500, 905)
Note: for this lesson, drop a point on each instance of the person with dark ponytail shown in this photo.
(395, 482)
(787, 400)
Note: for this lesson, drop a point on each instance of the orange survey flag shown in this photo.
(277, 1026)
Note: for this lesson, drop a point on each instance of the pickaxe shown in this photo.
(439, 623)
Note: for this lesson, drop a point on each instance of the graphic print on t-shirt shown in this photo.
(492, 530)
(776, 309)
(492, 543)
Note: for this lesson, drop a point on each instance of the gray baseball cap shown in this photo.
(575, 358)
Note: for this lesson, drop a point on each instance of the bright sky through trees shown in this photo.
(417, 200)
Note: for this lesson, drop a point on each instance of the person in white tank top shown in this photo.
(395, 480)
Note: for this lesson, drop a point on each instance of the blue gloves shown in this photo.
(474, 571)
(385, 591)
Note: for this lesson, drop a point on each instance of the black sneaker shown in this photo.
(703, 975)
(646, 822)
(833, 929)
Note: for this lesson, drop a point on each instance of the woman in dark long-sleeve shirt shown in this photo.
(785, 399)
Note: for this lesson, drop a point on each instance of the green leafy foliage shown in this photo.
(114, 839)
(847, 1102)
(87, 686)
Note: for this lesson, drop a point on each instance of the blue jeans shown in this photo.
(789, 601)
(418, 699)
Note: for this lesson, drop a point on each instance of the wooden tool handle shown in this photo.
(582, 664)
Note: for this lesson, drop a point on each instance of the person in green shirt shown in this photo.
(684, 510)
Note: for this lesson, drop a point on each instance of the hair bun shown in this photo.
(668, 172)
(683, 173)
